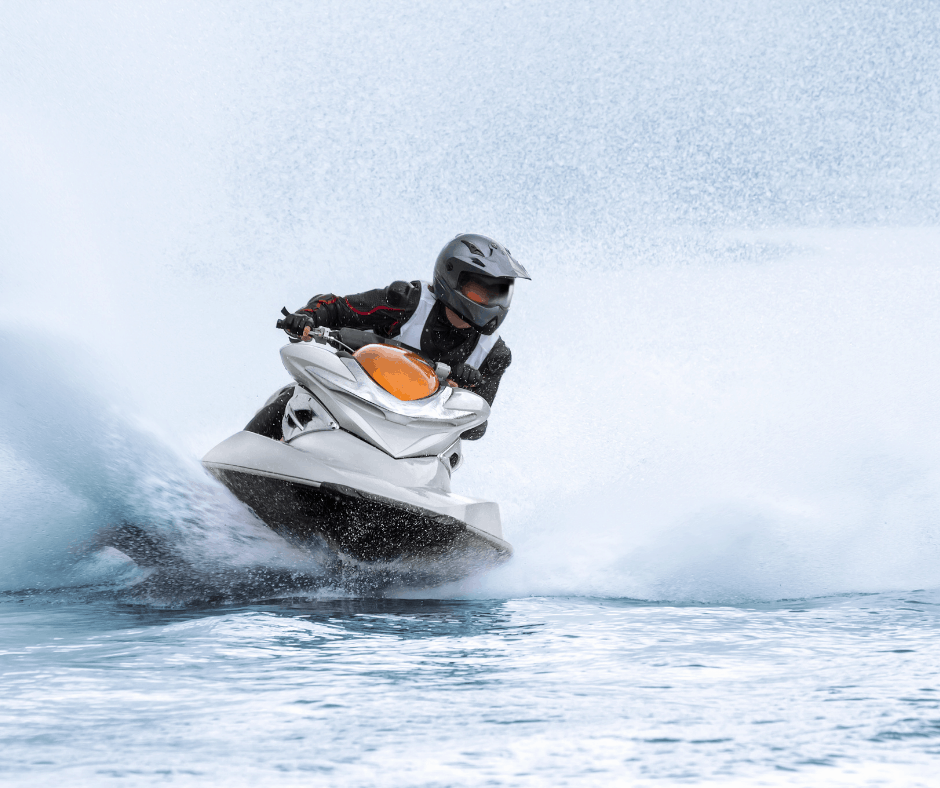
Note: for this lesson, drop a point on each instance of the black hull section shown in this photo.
(420, 545)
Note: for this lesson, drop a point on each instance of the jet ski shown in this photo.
(370, 438)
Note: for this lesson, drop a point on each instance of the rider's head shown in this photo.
(474, 276)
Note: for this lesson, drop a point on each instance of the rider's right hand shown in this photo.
(466, 376)
(294, 325)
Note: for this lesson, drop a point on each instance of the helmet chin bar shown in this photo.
(487, 329)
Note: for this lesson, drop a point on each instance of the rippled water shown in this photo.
(838, 691)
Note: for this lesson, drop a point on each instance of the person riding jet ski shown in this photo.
(455, 320)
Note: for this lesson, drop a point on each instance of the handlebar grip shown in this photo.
(280, 323)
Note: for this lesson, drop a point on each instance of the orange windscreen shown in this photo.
(400, 372)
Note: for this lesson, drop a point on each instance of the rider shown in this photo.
(454, 320)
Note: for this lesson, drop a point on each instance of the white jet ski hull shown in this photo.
(395, 515)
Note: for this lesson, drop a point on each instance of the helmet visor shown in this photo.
(485, 290)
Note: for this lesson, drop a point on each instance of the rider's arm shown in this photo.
(380, 310)
(492, 370)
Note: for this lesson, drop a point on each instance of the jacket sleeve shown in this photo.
(380, 310)
(492, 369)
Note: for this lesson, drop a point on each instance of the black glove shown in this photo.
(294, 325)
(466, 376)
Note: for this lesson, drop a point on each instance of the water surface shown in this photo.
(837, 691)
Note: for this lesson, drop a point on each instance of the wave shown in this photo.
(79, 474)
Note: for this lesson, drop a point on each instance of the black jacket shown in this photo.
(385, 311)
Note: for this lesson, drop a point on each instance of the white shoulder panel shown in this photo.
(410, 333)
(484, 345)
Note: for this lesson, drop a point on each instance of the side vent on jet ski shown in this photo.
(303, 414)
(303, 418)
(452, 457)
(400, 372)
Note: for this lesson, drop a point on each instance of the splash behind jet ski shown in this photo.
(371, 438)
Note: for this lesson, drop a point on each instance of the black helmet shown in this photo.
(474, 276)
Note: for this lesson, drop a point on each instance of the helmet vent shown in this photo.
(474, 249)
(477, 262)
